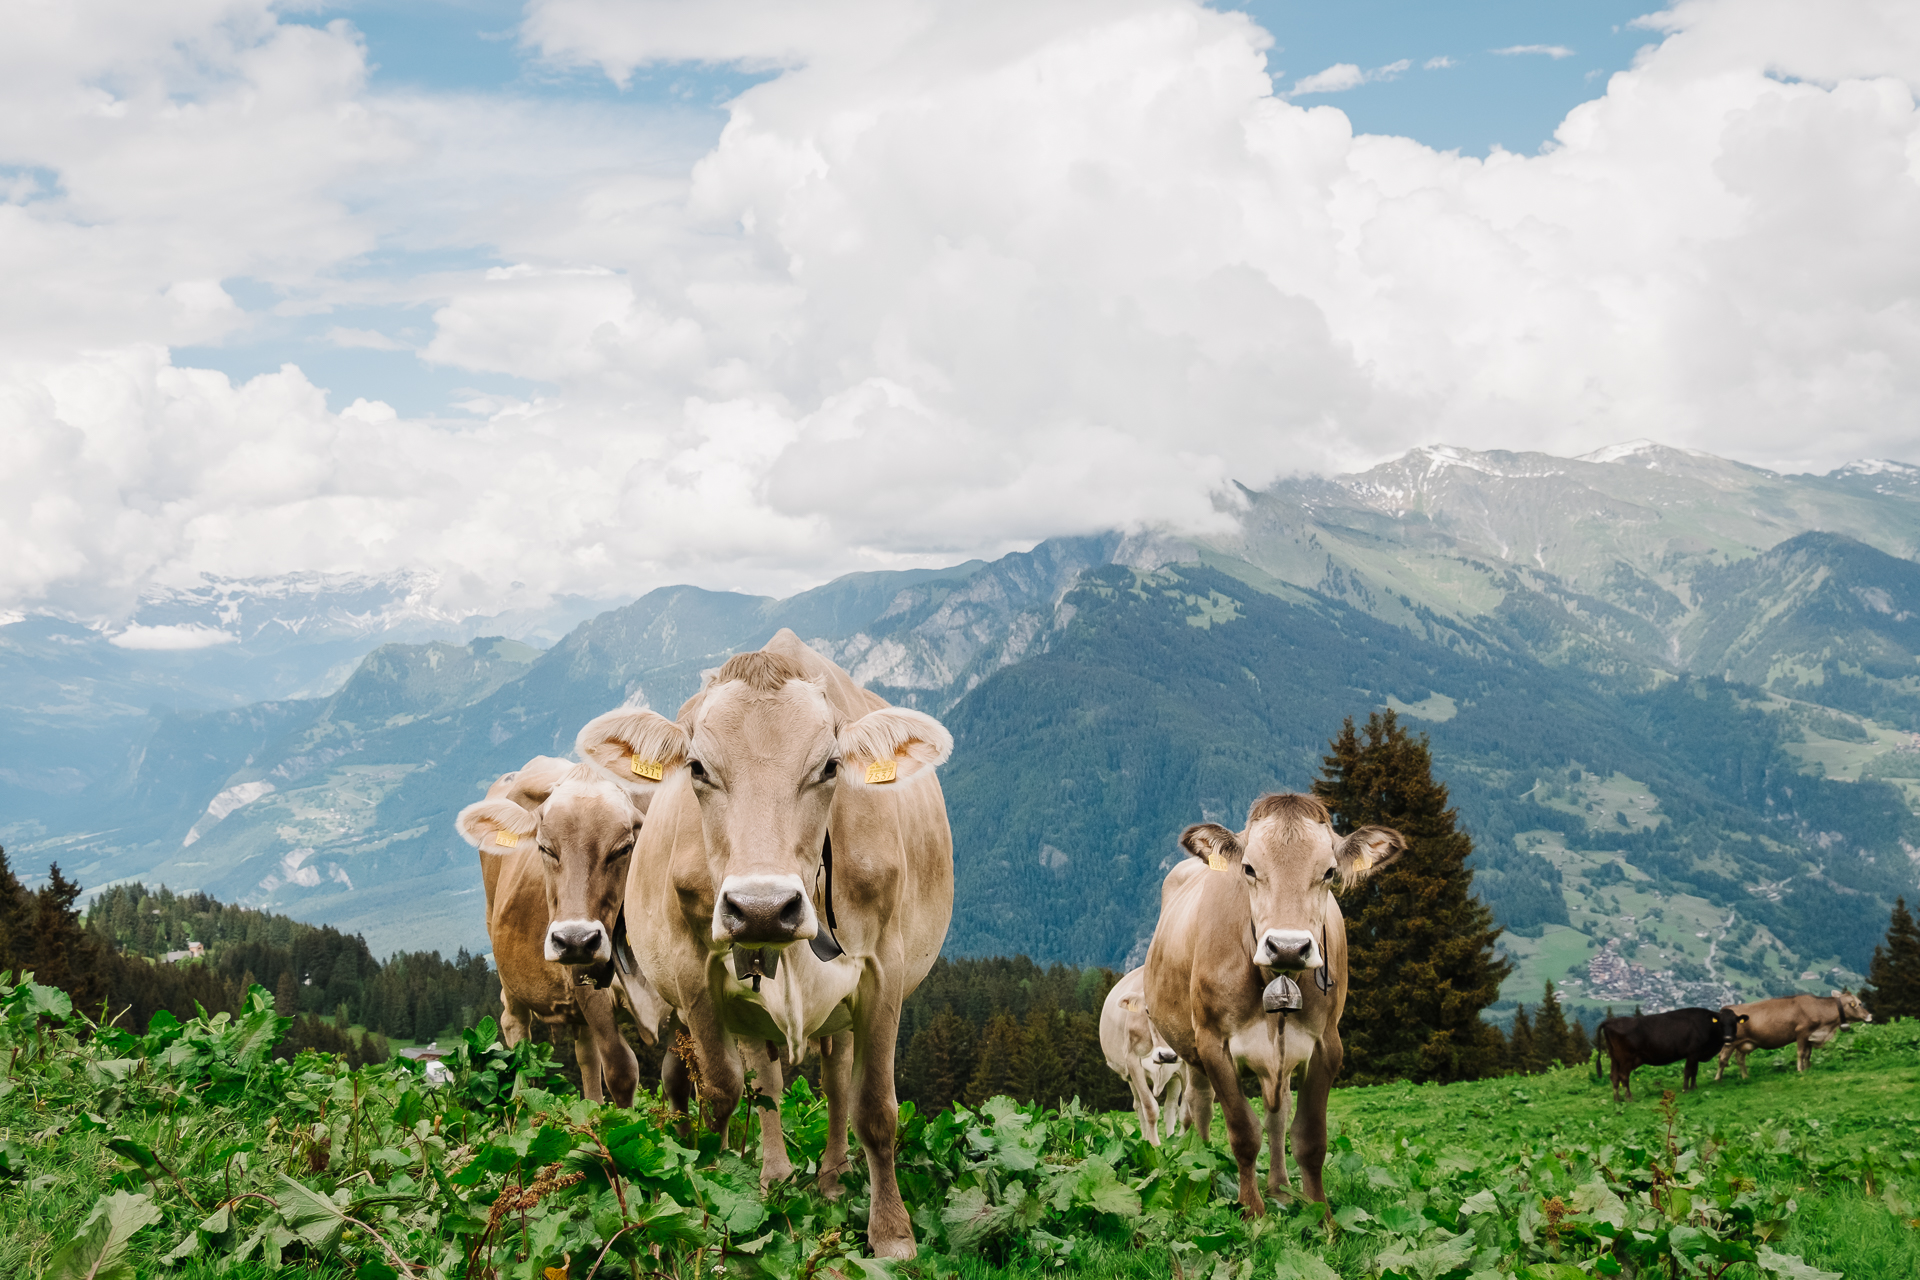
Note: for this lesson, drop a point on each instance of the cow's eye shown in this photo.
(1246, 869)
(698, 770)
(550, 852)
(1329, 876)
(829, 770)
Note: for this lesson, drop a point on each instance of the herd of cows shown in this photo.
(771, 874)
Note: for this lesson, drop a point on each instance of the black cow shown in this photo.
(1656, 1039)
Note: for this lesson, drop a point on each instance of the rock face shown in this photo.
(1550, 622)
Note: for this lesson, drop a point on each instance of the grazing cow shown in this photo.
(1253, 909)
(554, 838)
(792, 885)
(1798, 1020)
(1139, 1056)
(1658, 1039)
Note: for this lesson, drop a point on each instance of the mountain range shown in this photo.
(1676, 699)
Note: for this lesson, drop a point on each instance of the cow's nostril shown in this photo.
(793, 913)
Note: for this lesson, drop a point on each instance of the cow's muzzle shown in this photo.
(761, 911)
(578, 942)
(1164, 1057)
(1288, 949)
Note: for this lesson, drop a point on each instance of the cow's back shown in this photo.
(1782, 1020)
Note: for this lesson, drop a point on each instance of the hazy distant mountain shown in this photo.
(1565, 629)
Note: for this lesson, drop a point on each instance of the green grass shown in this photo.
(1441, 1182)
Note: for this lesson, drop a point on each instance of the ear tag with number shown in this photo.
(882, 771)
(1216, 863)
(651, 770)
(505, 839)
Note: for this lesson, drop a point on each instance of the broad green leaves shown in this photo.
(98, 1252)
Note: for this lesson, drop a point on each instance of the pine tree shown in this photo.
(64, 953)
(1580, 1041)
(1419, 944)
(1523, 1052)
(938, 1064)
(16, 921)
(998, 1063)
(1893, 977)
(1553, 1042)
(1042, 1075)
(286, 995)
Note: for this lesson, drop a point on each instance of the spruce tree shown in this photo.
(1893, 977)
(286, 995)
(16, 921)
(939, 1063)
(1419, 944)
(1552, 1040)
(1042, 1074)
(998, 1064)
(1523, 1054)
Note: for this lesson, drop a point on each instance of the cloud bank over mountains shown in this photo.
(953, 278)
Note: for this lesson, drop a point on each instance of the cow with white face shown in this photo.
(792, 885)
(554, 839)
(1249, 963)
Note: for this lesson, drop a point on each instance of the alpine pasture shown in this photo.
(191, 1152)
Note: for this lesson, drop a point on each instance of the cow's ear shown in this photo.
(637, 749)
(1367, 851)
(531, 784)
(496, 826)
(1211, 843)
(892, 745)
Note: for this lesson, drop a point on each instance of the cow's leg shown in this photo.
(717, 1058)
(514, 1020)
(876, 1117)
(836, 1081)
(1805, 1056)
(619, 1069)
(1216, 1059)
(1145, 1109)
(676, 1085)
(1274, 1096)
(587, 1058)
(762, 1058)
(1720, 1067)
(1689, 1075)
(1743, 1064)
(1200, 1102)
(1310, 1113)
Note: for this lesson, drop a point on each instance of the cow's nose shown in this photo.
(1165, 1057)
(771, 915)
(576, 942)
(1286, 949)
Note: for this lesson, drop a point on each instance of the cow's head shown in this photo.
(1852, 1008)
(1730, 1023)
(583, 829)
(1291, 862)
(764, 754)
(1159, 1052)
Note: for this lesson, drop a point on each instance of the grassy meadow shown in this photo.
(191, 1152)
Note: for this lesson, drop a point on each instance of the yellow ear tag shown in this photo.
(1216, 863)
(505, 839)
(651, 770)
(882, 771)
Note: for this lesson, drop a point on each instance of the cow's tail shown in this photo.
(1600, 1046)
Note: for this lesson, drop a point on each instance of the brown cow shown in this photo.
(1137, 1054)
(1255, 908)
(1798, 1020)
(792, 884)
(554, 838)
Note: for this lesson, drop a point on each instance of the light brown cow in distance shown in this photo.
(1798, 1020)
(1257, 906)
(1138, 1055)
(728, 906)
(554, 838)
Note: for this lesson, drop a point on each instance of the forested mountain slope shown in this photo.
(1673, 697)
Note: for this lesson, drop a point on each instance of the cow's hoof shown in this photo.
(829, 1183)
(1253, 1209)
(772, 1173)
(900, 1248)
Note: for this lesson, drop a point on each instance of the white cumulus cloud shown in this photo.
(954, 278)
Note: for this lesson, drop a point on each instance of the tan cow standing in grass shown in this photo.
(1137, 1054)
(1797, 1020)
(1253, 909)
(554, 838)
(792, 885)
